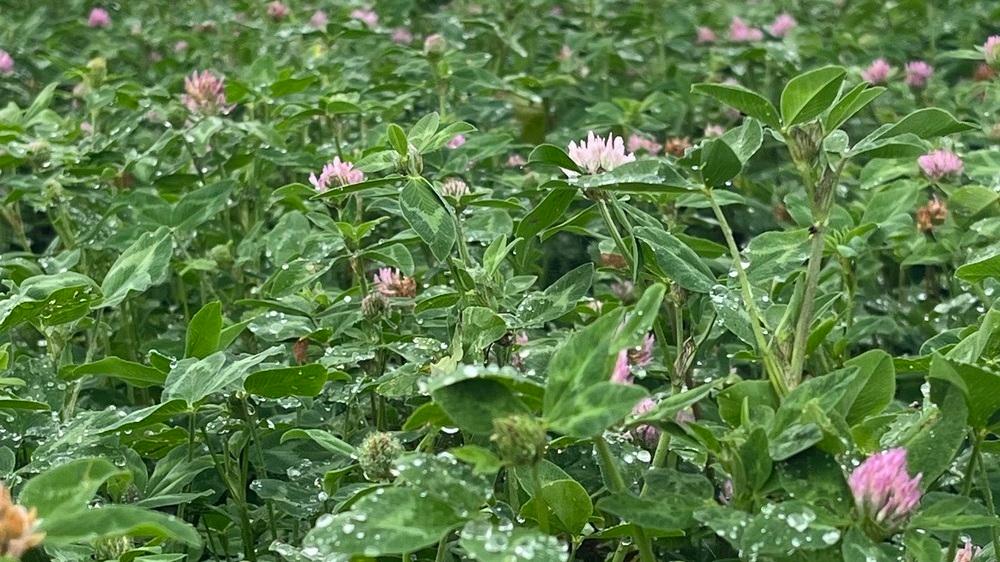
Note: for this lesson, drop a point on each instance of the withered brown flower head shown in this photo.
(18, 527)
(616, 261)
(984, 73)
(392, 283)
(676, 146)
(931, 214)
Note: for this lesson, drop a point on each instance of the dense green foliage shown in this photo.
(358, 290)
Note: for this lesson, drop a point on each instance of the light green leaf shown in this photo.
(429, 217)
(927, 123)
(142, 265)
(135, 374)
(117, 520)
(49, 300)
(391, 522)
(810, 94)
(719, 163)
(203, 332)
(851, 103)
(322, 438)
(675, 259)
(553, 156)
(749, 102)
(304, 380)
(558, 298)
(67, 488)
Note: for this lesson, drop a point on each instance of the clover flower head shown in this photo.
(782, 25)
(705, 35)
(918, 73)
(402, 36)
(741, 32)
(991, 50)
(940, 164)
(336, 174)
(454, 187)
(596, 154)
(319, 19)
(204, 94)
(884, 492)
(6, 63)
(714, 130)
(515, 161)
(968, 552)
(366, 16)
(647, 434)
(877, 72)
(391, 282)
(277, 11)
(638, 142)
(99, 17)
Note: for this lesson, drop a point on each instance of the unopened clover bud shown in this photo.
(221, 254)
(435, 44)
(376, 455)
(373, 305)
(804, 142)
(414, 161)
(98, 68)
(520, 439)
(112, 548)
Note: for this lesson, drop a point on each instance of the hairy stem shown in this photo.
(615, 235)
(771, 367)
(801, 340)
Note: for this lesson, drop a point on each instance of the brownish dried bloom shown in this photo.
(984, 73)
(676, 146)
(392, 283)
(781, 213)
(616, 261)
(931, 214)
(18, 527)
(301, 351)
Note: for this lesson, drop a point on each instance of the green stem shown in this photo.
(794, 375)
(966, 486)
(442, 549)
(616, 484)
(615, 235)
(463, 243)
(512, 496)
(612, 476)
(988, 497)
(541, 508)
(255, 438)
(771, 367)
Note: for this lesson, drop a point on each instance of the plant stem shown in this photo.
(255, 438)
(771, 367)
(988, 497)
(966, 486)
(616, 484)
(512, 498)
(541, 508)
(619, 241)
(442, 549)
(794, 375)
